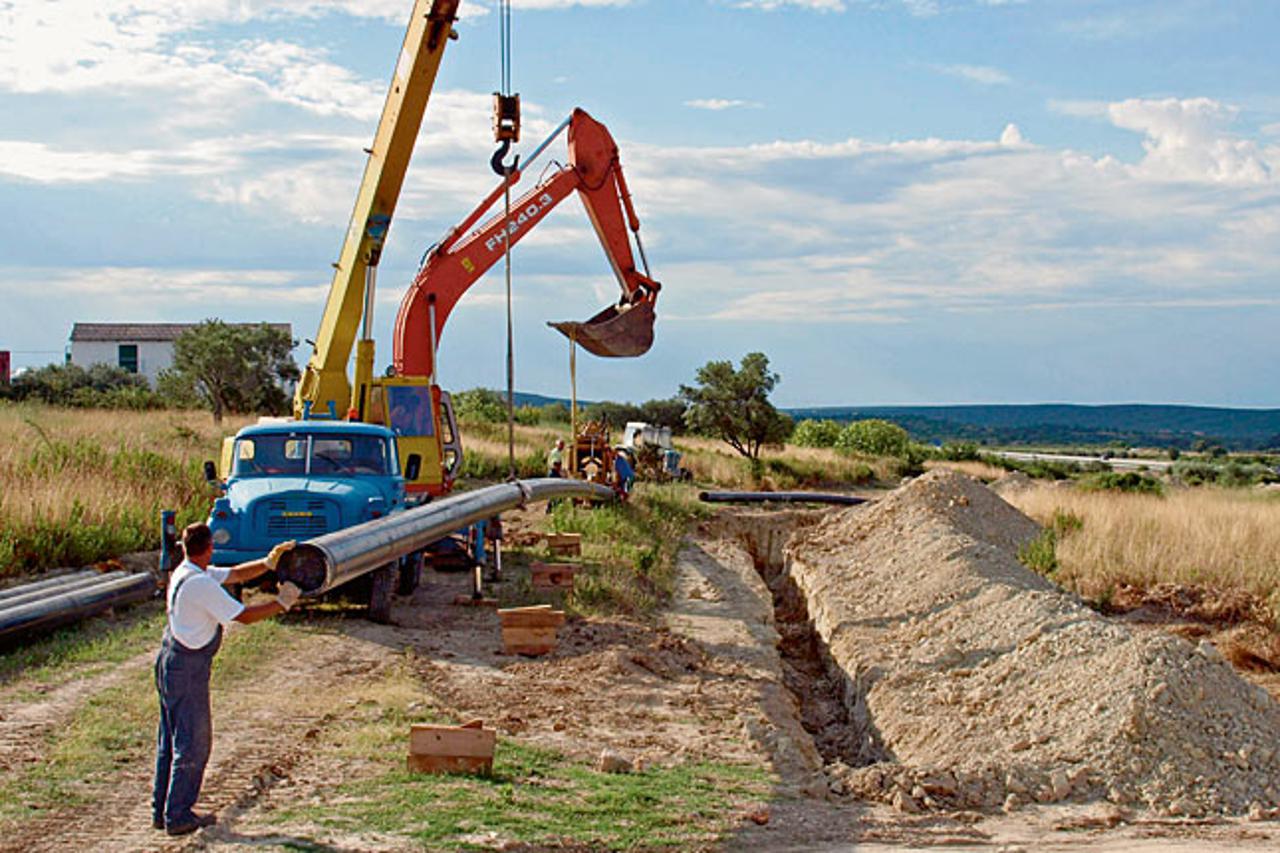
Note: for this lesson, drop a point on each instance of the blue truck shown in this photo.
(289, 479)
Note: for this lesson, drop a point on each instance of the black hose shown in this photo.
(781, 497)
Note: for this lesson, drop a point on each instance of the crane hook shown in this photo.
(495, 162)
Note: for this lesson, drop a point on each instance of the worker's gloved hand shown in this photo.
(277, 552)
(288, 594)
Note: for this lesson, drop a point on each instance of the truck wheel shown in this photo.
(410, 574)
(382, 583)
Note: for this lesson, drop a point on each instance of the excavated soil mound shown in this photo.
(975, 683)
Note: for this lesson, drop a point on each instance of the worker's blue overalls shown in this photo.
(186, 724)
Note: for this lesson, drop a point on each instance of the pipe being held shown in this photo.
(318, 565)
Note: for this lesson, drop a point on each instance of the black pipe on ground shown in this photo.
(781, 497)
(23, 589)
(47, 592)
(59, 609)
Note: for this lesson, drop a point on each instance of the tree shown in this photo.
(480, 405)
(733, 405)
(234, 368)
(664, 413)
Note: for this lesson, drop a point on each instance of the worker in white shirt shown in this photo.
(198, 608)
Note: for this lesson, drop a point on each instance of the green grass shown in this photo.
(96, 643)
(629, 550)
(534, 796)
(116, 726)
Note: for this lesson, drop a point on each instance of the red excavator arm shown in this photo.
(594, 171)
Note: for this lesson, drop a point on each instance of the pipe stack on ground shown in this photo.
(325, 562)
(47, 604)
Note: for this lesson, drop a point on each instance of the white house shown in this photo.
(142, 348)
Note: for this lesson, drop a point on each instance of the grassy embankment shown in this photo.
(77, 486)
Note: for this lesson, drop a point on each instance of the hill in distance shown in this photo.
(1067, 424)
(1062, 424)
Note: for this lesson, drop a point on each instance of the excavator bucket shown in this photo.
(616, 332)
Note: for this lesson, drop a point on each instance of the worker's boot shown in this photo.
(197, 821)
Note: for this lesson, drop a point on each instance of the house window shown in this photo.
(129, 357)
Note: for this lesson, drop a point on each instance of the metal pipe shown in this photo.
(23, 589)
(780, 497)
(71, 606)
(327, 561)
(39, 594)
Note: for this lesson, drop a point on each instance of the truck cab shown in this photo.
(300, 479)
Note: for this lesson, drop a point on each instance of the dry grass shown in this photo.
(78, 485)
(983, 471)
(714, 462)
(1227, 539)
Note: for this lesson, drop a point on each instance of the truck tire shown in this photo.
(410, 574)
(382, 583)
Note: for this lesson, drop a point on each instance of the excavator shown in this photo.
(458, 261)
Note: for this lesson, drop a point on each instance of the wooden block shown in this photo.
(531, 633)
(451, 749)
(553, 575)
(565, 544)
(531, 617)
(450, 764)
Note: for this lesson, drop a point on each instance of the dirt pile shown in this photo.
(975, 683)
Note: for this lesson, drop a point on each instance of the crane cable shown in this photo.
(504, 35)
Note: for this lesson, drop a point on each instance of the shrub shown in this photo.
(1040, 555)
(964, 451)
(1129, 481)
(875, 437)
(1037, 469)
(480, 404)
(101, 386)
(1234, 474)
(814, 433)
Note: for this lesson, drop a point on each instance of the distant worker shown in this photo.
(555, 459)
(624, 475)
(198, 608)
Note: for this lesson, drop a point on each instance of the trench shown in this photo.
(833, 708)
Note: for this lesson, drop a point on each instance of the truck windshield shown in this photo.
(274, 455)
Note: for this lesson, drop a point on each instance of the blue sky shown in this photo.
(899, 201)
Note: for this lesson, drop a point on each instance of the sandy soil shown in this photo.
(706, 680)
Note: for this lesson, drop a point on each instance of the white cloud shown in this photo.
(211, 287)
(815, 5)
(1187, 140)
(719, 104)
(983, 74)
(36, 161)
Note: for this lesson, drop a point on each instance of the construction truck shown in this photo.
(653, 454)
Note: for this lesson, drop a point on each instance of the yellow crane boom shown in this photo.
(324, 388)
